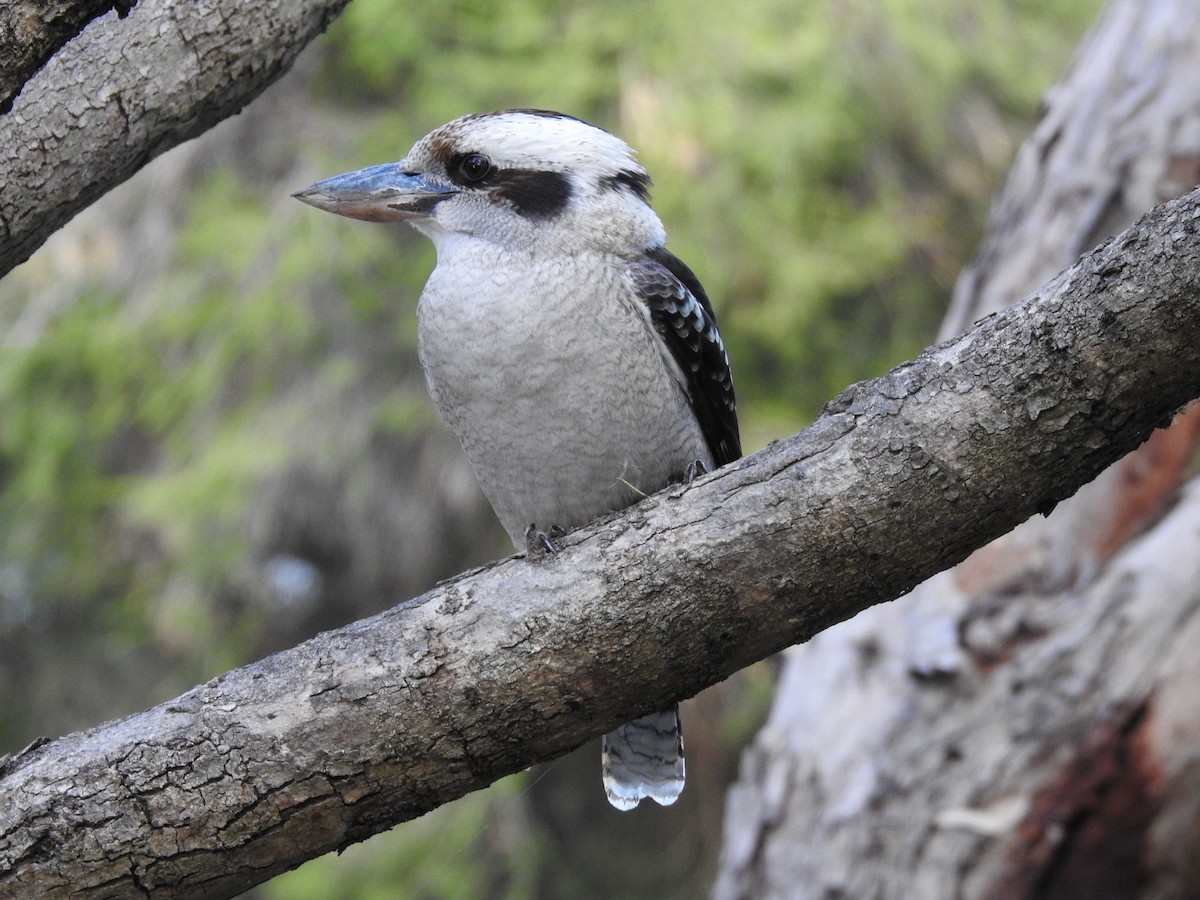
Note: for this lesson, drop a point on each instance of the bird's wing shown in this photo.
(683, 317)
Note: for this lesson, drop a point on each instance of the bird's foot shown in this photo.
(683, 481)
(542, 543)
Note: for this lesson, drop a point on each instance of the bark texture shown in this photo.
(31, 31)
(1027, 724)
(102, 107)
(361, 728)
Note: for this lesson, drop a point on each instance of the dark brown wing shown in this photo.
(684, 318)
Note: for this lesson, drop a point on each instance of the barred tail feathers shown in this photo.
(644, 758)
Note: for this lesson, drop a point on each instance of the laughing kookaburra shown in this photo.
(576, 359)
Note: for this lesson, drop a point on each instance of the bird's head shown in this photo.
(529, 180)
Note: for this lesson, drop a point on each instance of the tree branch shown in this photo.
(102, 108)
(361, 728)
(31, 31)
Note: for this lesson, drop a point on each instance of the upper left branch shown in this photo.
(127, 89)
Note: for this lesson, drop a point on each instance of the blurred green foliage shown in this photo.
(478, 847)
(825, 167)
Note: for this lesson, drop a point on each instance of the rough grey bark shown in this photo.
(130, 89)
(1027, 724)
(31, 31)
(360, 728)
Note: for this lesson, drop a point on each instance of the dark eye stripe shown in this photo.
(638, 182)
(533, 194)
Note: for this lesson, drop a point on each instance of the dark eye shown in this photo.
(474, 167)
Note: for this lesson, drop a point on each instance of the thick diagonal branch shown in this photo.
(360, 728)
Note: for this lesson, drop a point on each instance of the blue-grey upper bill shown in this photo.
(377, 194)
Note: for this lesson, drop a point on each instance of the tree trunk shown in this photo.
(1028, 723)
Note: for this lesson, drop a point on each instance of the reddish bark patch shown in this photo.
(1182, 174)
(1150, 478)
(1086, 836)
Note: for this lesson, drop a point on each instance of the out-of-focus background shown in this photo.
(214, 434)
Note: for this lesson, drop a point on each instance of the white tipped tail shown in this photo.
(644, 758)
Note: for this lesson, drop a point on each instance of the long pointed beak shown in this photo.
(383, 193)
